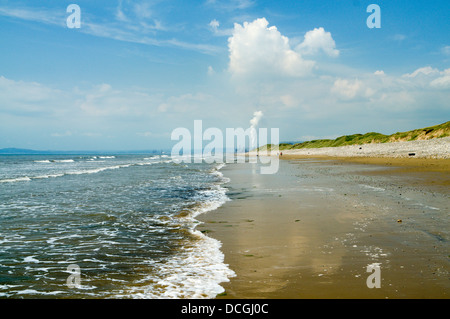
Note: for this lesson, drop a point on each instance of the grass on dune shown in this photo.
(437, 131)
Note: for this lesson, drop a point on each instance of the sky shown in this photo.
(134, 71)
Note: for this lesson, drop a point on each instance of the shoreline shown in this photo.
(437, 148)
(432, 154)
(405, 165)
(311, 230)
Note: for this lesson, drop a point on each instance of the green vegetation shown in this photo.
(437, 131)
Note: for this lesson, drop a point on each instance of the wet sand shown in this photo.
(401, 164)
(311, 230)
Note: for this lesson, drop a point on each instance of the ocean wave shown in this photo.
(48, 176)
(198, 269)
(55, 161)
(197, 272)
(80, 172)
(63, 161)
(73, 172)
(96, 170)
(35, 292)
(188, 263)
(18, 179)
(30, 259)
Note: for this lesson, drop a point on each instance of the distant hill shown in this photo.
(437, 131)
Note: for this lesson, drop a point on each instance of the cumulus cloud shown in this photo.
(255, 48)
(318, 40)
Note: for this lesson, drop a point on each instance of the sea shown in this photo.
(108, 226)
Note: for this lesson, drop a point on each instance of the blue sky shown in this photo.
(136, 70)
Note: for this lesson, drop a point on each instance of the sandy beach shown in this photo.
(438, 148)
(312, 229)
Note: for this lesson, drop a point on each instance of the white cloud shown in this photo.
(442, 82)
(346, 89)
(410, 93)
(428, 70)
(105, 101)
(130, 25)
(428, 77)
(318, 40)
(379, 72)
(20, 97)
(101, 109)
(214, 25)
(256, 48)
(48, 17)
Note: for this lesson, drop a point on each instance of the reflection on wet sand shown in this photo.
(311, 230)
